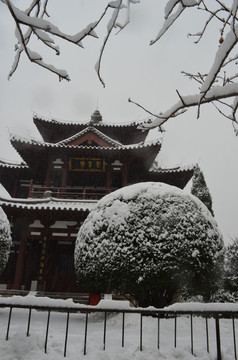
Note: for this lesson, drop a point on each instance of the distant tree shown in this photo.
(228, 291)
(231, 267)
(200, 189)
(151, 241)
(216, 86)
(5, 240)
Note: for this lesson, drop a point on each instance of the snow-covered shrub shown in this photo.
(5, 240)
(223, 296)
(231, 267)
(149, 240)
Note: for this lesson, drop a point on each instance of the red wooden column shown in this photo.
(48, 175)
(124, 174)
(64, 175)
(21, 255)
(30, 192)
(45, 267)
(16, 187)
(109, 177)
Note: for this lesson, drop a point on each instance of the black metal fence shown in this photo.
(158, 314)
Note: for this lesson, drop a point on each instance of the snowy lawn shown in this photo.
(19, 346)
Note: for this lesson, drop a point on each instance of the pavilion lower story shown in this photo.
(42, 252)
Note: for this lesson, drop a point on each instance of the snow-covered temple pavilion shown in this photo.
(59, 181)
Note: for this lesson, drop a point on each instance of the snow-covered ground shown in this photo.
(19, 346)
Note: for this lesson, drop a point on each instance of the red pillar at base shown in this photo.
(21, 258)
(94, 299)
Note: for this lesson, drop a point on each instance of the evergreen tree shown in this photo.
(231, 267)
(152, 241)
(200, 189)
(5, 240)
(228, 291)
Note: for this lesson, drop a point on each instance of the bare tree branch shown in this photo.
(213, 86)
(214, 94)
(218, 85)
(41, 28)
(110, 26)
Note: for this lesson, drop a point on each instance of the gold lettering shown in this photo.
(82, 163)
(98, 164)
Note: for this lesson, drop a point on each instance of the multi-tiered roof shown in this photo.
(57, 184)
(95, 138)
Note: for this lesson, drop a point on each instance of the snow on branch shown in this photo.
(34, 19)
(171, 17)
(214, 94)
(219, 84)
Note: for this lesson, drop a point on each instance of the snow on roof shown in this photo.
(95, 131)
(157, 169)
(13, 165)
(141, 145)
(49, 203)
(87, 123)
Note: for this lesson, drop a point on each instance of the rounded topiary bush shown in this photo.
(5, 240)
(152, 241)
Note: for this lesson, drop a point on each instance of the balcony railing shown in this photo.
(74, 192)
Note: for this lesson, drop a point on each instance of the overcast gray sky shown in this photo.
(149, 75)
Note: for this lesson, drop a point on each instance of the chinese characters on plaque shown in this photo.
(86, 164)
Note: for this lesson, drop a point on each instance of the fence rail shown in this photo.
(159, 314)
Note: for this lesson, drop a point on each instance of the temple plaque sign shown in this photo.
(87, 164)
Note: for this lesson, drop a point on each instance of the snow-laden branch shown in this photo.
(171, 17)
(112, 23)
(34, 19)
(41, 28)
(219, 84)
(214, 94)
(221, 55)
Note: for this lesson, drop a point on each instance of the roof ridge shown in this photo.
(23, 138)
(48, 204)
(30, 201)
(55, 145)
(172, 168)
(87, 129)
(63, 122)
(12, 162)
(143, 143)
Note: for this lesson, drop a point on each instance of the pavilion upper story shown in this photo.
(84, 160)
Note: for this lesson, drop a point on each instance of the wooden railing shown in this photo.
(74, 192)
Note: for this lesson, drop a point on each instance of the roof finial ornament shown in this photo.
(96, 117)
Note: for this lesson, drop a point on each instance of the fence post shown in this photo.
(158, 335)
(105, 329)
(218, 339)
(191, 322)
(175, 330)
(207, 334)
(28, 324)
(141, 332)
(9, 321)
(234, 336)
(47, 331)
(123, 330)
(66, 334)
(85, 334)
